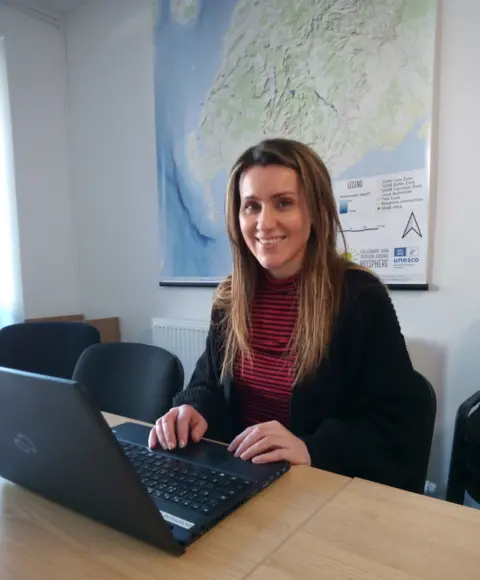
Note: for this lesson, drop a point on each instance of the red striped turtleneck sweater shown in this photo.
(264, 383)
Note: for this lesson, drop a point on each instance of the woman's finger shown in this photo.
(265, 444)
(152, 438)
(272, 456)
(184, 422)
(198, 426)
(251, 438)
(168, 425)
(238, 439)
(160, 434)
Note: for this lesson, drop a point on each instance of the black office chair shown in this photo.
(464, 473)
(48, 348)
(424, 447)
(130, 379)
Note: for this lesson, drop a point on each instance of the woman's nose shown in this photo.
(266, 219)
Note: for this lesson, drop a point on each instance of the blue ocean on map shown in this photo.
(188, 57)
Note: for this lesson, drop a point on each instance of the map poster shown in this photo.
(351, 78)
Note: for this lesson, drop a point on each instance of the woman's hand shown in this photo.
(268, 442)
(178, 426)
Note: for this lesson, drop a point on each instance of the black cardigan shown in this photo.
(359, 414)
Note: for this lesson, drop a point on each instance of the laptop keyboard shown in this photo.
(194, 487)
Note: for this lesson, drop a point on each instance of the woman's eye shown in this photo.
(250, 206)
(283, 203)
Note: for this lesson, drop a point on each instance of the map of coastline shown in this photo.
(352, 78)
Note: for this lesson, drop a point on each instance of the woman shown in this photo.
(305, 360)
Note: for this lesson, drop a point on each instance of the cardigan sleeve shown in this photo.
(204, 391)
(375, 436)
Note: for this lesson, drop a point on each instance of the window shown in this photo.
(10, 287)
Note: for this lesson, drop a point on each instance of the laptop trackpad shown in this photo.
(205, 453)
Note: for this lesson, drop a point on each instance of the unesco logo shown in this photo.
(406, 255)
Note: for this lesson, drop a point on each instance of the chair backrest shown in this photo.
(49, 348)
(130, 379)
(424, 447)
(465, 453)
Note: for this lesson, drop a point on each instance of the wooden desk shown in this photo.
(368, 531)
(40, 540)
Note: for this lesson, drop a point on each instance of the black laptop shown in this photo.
(55, 442)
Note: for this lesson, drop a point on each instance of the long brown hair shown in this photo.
(321, 278)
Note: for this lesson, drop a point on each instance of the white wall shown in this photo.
(110, 73)
(36, 68)
(443, 326)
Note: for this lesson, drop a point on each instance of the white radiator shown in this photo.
(184, 338)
